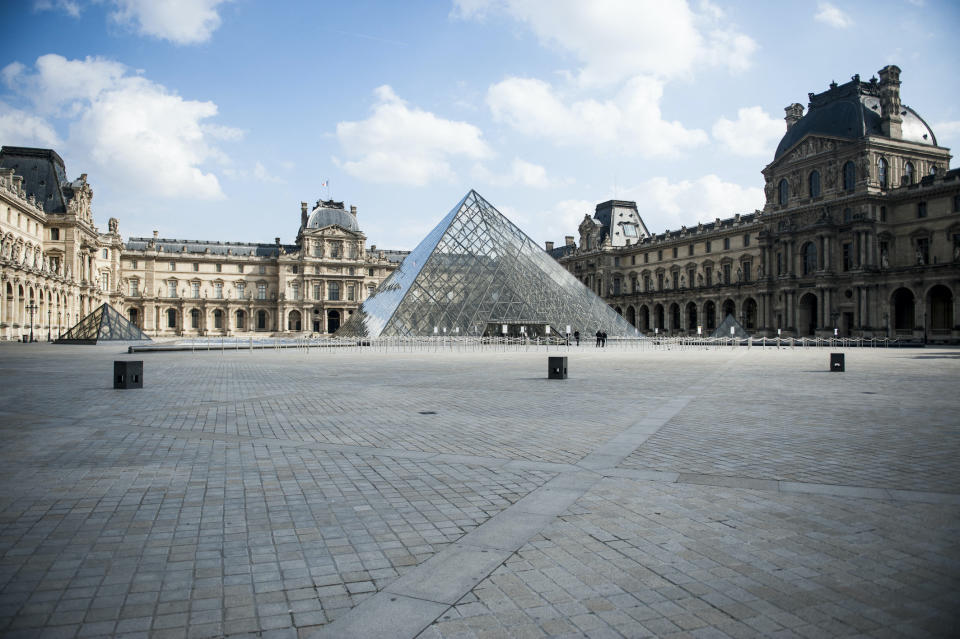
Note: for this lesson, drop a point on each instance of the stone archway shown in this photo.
(333, 321)
(644, 319)
(294, 321)
(134, 316)
(749, 310)
(940, 309)
(807, 315)
(710, 315)
(691, 316)
(675, 322)
(903, 310)
(631, 316)
(658, 316)
(728, 308)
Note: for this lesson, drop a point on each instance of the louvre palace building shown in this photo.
(56, 267)
(860, 234)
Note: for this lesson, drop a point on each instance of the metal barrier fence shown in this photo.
(506, 344)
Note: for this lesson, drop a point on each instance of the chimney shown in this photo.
(549, 245)
(303, 215)
(794, 113)
(890, 118)
(353, 211)
(568, 240)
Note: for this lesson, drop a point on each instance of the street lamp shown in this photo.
(31, 307)
(49, 314)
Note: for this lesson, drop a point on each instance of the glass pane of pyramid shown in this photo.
(474, 273)
(103, 324)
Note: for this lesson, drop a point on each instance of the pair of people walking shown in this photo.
(601, 339)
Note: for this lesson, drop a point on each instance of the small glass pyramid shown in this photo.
(103, 324)
(476, 273)
(724, 329)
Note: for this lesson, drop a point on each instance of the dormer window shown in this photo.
(784, 192)
(815, 184)
(630, 230)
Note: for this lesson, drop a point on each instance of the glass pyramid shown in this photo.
(724, 329)
(103, 324)
(477, 274)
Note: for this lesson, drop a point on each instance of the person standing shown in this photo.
(576, 336)
(603, 339)
(599, 337)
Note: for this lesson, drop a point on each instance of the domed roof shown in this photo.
(325, 216)
(852, 111)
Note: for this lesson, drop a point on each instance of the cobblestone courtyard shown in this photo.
(711, 493)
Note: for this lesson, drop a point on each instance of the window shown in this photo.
(261, 320)
(847, 214)
(295, 268)
(849, 176)
(333, 291)
(351, 295)
(317, 292)
(630, 230)
(196, 266)
(647, 283)
(779, 263)
(923, 250)
(173, 266)
(172, 288)
(263, 269)
(660, 255)
(218, 319)
(708, 275)
(726, 273)
(194, 318)
(747, 268)
(784, 192)
(295, 289)
(54, 234)
(239, 268)
(746, 240)
(659, 281)
(134, 288)
(726, 244)
(261, 291)
(171, 318)
(369, 272)
(690, 250)
(106, 254)
(707, 246)
(218, 290)
(133, 264)
(848, 256)
(809, 258)
(882, 172)
(195, 288)
(675, 249)
(241, 320)
(691, 276)
(883, 214)
(646, 258)
(336, 249)
(814, 182)
(240, 287)
(908, 173)
(921, 209)
(218, 268)
(616, 260)
(105, 281)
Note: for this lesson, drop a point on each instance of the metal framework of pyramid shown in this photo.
(102, 325)
(724, 329)
(474, 273)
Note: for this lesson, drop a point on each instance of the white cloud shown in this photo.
(19, 128)
(261, 173)
(667, 205)
(630, 122)
(753, 133)
(406, 145)
(179, 21)
(553, 223)
(134, 130)
(521, 173)
(70, 7)
(831, 15)
(616, 39)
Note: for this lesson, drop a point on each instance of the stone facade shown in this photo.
(859, 236)
(54, 259)
(55, 267)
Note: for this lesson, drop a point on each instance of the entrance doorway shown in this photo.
(807, 315)
(333, 321)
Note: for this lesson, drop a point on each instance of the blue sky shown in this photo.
(212, 119)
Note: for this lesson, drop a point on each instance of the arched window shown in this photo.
(784, 192)
(241, 320)
(849, 176)
(908, 173)
(218, 319)
(809, 258)
(882, 172)
(194, 318)
(815, 184)
(171, 318)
